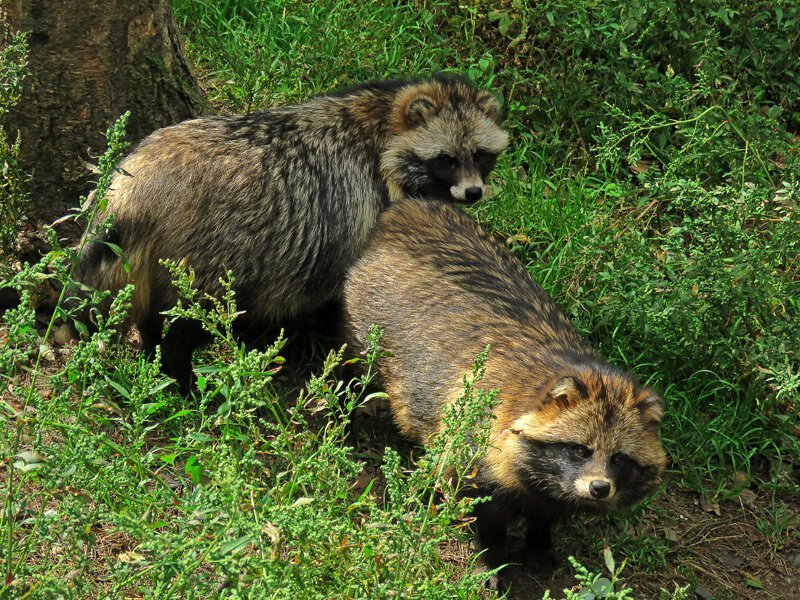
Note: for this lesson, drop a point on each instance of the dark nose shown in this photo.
(473, 194)
(599, 489)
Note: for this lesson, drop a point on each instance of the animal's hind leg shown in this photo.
(150, 332)
(183, 336)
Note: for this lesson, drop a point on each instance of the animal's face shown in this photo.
(445, 142)
(593, 442)
(596, 479)
(452, 159)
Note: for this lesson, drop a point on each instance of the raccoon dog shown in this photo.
(285, 198)
(570, 432)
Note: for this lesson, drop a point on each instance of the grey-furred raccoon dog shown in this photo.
(570, 432)
(285, 198)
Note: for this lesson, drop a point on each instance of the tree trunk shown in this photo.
(90, 61)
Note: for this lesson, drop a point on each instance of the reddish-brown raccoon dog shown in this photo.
(570, 433)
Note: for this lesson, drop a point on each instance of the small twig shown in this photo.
(639, 217)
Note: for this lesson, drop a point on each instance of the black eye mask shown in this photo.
(485, 162)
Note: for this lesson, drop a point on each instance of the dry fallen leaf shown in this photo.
(130, 557)
(730, 559)
(671, 535)
(710, 506)
(748, 497)
(304, 501)
(739, 479)
(519, 238)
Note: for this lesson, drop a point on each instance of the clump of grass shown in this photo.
(255, 54)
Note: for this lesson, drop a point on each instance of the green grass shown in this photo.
(256, 54)
(652, 188)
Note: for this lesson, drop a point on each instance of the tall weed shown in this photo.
(14, 198)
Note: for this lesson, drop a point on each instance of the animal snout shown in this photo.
(473, 194)
(599, 489)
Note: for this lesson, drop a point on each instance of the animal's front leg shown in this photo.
(539, 553)
(491, 526)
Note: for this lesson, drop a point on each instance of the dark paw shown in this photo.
(186, 386)
(499, 581)
(541, 560)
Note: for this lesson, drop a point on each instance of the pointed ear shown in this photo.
(651, 407)
(563, 393)
(488, 103)
(419, 110)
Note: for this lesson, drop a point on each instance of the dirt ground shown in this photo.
(721, 555)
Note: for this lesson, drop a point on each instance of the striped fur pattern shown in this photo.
(571, 433)
(285, 198)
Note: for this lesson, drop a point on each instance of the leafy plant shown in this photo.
(596, 586)
(13, 180)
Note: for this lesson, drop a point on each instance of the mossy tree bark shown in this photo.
(90, 61)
